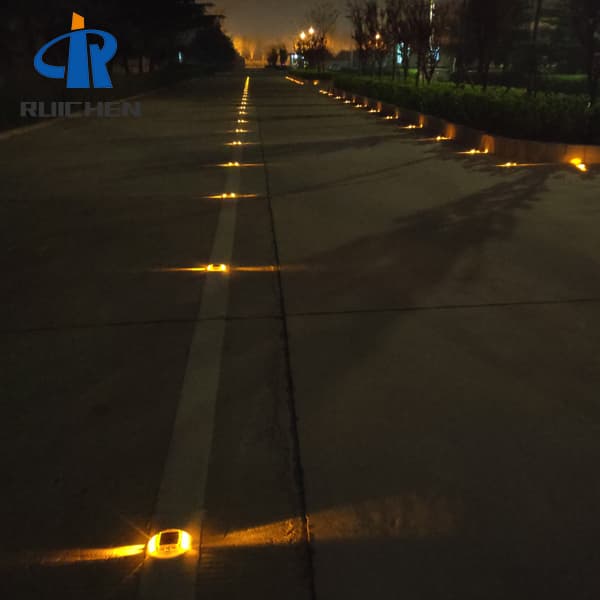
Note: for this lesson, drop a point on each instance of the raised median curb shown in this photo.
(514, 150)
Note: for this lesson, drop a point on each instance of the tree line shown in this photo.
(516, 36)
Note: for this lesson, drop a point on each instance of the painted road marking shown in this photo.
(182, 492)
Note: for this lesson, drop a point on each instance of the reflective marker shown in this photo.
(212, 268)
(579, 164)
(169, 544)
(474, 151)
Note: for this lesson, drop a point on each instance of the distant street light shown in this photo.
(303, 36)
(311, 31)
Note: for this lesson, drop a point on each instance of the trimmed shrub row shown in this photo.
(511, 113)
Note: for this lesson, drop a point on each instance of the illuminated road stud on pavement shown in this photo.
(474, 151)
(220, 268)
(169, 544)
(579, 164)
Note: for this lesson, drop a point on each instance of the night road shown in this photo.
(391, 392)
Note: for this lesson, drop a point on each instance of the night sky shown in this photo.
(273, 21)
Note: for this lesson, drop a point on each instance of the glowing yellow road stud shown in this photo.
(214, 268)
(169, 543)
(579, 164)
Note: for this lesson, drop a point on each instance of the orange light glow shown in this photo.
(230, 196)
(419, 126)
(442, 138)
(231, 269)
(74, 556)
(474, 151)
(374, 111)
(238, 165)
(579, 164)
(217, 268)
(169, 543)
(391, 118)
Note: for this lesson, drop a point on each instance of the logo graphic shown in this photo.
(81, 56)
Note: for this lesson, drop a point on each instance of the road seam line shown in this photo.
(296, 454)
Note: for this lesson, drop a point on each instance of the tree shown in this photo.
(586, 21)
(533, 63)
(283, 56)
(360, 35)
(398, 34)
(490, 22)
(323, 18)
(273, 57)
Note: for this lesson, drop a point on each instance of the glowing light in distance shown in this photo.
(171, 542)
(579, 164)
(242, 121)
(441, 138)
(338, 98)
(316, 82)
(413, 127)
(239, 165)
(230, 195)
(347, 101)
(374, 111)
(474, 151)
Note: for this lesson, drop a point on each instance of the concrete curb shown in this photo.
(514, 150)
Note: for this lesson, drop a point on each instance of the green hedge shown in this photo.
(556, 84)
(545, 117)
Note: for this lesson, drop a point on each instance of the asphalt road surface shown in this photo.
(396, 384)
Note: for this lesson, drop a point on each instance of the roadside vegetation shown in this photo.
(518, 68)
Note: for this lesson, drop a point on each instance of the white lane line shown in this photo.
(181, 499)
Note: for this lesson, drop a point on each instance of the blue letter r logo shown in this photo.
(77, 70)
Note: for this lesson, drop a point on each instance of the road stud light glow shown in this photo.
(239, 165)
(579, 164)
(473, 151)
(169, 543)
(391, 118)
(442, 138)
(374, 111)
(413, 127)
(217, 268)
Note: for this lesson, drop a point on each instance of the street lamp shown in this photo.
(311, 31)
(303, 36)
